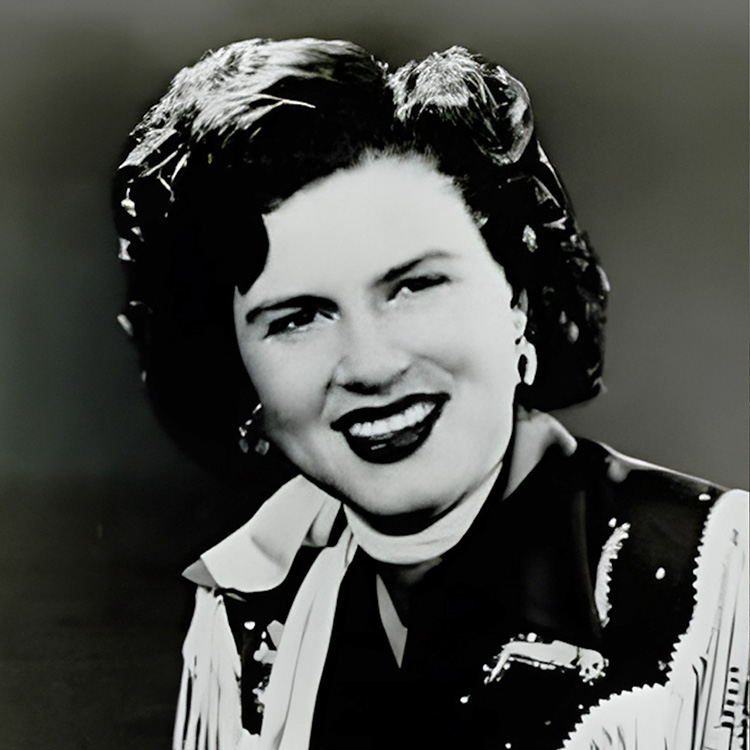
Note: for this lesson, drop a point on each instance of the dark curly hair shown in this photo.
(249, 125)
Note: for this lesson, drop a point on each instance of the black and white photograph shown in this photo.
(374, 375)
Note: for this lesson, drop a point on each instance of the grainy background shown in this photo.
(642, 107)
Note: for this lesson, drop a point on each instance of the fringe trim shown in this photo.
(209, 712)
(712, 659)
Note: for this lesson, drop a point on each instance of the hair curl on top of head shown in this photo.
(455, 89)
(252, 123)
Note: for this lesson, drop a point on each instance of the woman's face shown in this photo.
(381, 338)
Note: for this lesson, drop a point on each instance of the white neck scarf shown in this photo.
(426, 544)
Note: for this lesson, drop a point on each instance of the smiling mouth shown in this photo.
(387, 434)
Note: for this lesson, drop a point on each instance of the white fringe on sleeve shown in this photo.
(209, 713)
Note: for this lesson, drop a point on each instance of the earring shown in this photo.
(261, 444)
(527, 361)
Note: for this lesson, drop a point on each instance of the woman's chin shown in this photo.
(399, 521)
(387, 503)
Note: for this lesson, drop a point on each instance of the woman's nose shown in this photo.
(372, 359)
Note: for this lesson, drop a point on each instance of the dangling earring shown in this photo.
(527, 361)
(261, 444)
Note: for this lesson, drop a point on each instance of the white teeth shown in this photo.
(412, 416)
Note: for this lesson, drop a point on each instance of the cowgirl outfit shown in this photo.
(590, 601)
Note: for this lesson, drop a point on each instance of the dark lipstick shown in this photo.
(395, 445)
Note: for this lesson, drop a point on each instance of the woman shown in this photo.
(379, 277)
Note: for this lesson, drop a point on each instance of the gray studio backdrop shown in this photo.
(641, 105)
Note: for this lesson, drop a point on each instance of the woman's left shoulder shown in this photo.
(664, 524)
(641, 483)
(664, 511)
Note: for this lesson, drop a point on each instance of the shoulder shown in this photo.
(663, 512)
(664, 528)
(637, 482)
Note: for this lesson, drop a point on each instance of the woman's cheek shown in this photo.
(436, 331)
(292, 384)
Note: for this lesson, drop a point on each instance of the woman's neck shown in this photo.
(428, 542)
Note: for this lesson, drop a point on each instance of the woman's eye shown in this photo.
(293, 322)
(413, 285)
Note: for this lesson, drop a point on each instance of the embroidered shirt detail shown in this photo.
(610, 551)
(589, 664)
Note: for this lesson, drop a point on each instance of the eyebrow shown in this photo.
(312, 300)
